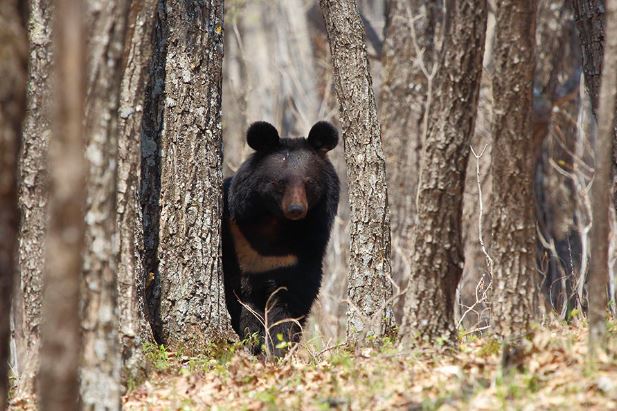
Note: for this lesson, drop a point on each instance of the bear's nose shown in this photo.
(295, 212)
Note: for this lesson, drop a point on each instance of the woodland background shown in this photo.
(472, 130)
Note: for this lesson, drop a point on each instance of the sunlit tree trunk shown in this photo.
(436, 253)
(132, 274)
(13, 72)
(515, 152)
(60, 327)
(369, 285)
(590, 21)
(601, 188)
(100, 373)
(192, 304)
(33, 191)
(409, 64)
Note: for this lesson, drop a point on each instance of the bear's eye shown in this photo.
(278, 185)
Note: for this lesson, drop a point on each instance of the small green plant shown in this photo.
(491, 347)
(156, 356)
(572, 314)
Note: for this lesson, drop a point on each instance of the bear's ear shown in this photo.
(262, 136)
(323, 136)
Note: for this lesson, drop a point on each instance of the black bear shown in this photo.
(279, 210)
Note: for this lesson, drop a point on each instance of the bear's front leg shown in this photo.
(251, 326)
(284, 329)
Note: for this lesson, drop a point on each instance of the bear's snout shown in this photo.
(295, 212)
(294, 205)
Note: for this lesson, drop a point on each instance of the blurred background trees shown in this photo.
(492, 241)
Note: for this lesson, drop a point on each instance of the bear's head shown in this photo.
(285, 177)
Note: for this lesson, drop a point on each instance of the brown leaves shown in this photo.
(551, 373)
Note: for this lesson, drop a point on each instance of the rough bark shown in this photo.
(33, 192)
(13, 72)
(100, 373)
(192, 305)
(515, 151)
(60, 329)
(369, 286)
(133, 327)
(590, 21)
(408, 59)
(602, 182)
(150, 153)
(436, 254)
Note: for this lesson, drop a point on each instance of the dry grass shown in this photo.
(549, 372)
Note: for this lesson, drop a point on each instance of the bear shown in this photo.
(279, 208)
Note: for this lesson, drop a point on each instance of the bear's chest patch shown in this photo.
(251, 261)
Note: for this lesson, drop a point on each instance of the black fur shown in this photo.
(253, 198)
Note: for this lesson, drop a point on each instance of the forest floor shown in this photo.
(547, 371)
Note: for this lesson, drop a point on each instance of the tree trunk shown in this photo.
(600, 190)
(590, 18)
(515, 151)
(100, 374)
(60, 329)
(409, 55)
(590, 22)
(436, 259)
(13, 72)
(33, 192)
(369, 286)
(192, 306)
(134, 328)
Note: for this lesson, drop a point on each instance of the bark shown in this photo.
(192, 306)
(33, 192)
(100, 373)
(329, 312)
(133, 327)
(590, 21)
(60, 329)
(150, 153)
(600, 190)
(13, 71)
(408, 59)
(436, 260)
(369, 286)
(515, 148)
